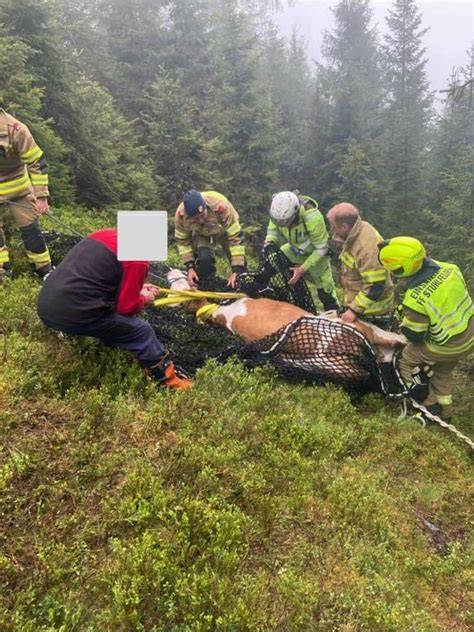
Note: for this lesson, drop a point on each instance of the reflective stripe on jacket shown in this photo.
(368, 288)
(222, 218)
(307, 237)
(440, 307)
(22, 163)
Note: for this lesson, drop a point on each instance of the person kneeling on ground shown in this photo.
(92, 293)
(437, 318)
(202, 221)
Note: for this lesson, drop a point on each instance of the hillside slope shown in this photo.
(244, 504)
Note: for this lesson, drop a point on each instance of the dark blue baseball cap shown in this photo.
(192, 201)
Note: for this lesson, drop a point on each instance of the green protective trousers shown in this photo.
(320, 275)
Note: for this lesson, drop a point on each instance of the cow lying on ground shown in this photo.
(254, 319)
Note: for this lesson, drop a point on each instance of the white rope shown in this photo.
(444, 424)
(424, 413)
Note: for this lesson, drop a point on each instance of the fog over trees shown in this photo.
(136, 101)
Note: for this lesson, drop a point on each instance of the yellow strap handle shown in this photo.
(176, 297)
(204, 313)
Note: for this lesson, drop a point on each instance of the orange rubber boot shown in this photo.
(173, 380)
(164, 372)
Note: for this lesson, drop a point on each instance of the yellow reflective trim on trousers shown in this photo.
(179, 234)
(184, 250)
(234, 229)
(237, 251)
(39, 180)
(415, 326)
(374, 276)
(31, 155)
(445, 400)
(449, 351)
(12, 186)
(40, 259)
(4, 257)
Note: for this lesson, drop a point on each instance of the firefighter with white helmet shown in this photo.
(297, 226)
(437, 318)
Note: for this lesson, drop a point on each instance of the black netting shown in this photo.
(271, 280)
(310, 348)
(319, 351)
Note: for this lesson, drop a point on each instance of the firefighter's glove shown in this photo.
(419, 388)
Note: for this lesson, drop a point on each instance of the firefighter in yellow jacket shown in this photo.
(368, 288)
(24, 185)
(437, 319)
(203, 220)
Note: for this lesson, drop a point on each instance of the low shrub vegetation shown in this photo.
(244, 504)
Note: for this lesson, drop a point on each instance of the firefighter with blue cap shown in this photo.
(437, 318)
(204, 220)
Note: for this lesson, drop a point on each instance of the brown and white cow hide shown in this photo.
(255, 318)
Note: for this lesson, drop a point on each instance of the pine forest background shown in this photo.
(247, 503)
(135, 101)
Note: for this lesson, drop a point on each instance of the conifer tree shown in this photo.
(291, 84)
(22, 97)
(110, 166)
(449, 221)
(349, 95)
(248, 153)
(178, 149)
(357, 183)
(107, 164)
(404, 147)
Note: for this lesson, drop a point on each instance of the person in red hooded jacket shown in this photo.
(92, 293)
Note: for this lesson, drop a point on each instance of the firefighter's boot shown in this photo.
(164, 373)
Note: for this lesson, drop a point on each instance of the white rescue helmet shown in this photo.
(284, 208)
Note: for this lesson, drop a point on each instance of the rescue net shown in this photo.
(310, 348)
(269, 281)
(319, 351)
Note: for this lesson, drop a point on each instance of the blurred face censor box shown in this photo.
(142, 235)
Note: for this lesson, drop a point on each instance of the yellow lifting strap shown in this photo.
(177, 297)
(204, 313)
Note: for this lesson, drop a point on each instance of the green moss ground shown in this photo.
(244, 504)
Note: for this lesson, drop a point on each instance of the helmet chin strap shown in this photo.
(293, 219)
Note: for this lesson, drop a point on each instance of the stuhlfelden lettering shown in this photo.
(422, 293)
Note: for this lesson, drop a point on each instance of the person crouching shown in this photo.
(92, 293)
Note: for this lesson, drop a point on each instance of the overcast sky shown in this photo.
(446, 43)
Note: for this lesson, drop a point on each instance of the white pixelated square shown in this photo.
(142, 235)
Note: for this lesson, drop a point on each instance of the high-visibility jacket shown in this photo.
(437, 309)
(368, 287)
(222, 219)
(307, 236)
(22, 162)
